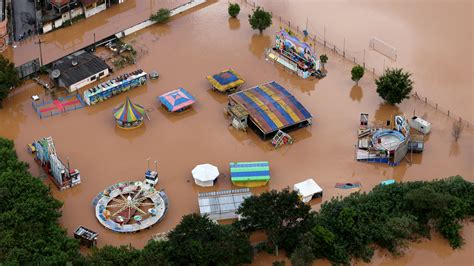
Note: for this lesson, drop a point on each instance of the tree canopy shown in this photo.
(260, 19)
(8, 78)
(280, 214)
(324, 59)
(197, 240)
(161, 16)
(234, 10)
(357, 73)
(390, 216)
(30, 233)
(394, 85)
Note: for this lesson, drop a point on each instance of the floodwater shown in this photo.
(433, 40)
(185, 51)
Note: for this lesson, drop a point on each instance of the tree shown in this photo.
(110, 255)
(324, 59)
(260, 19)
(30, 232)
(197, 240)
(234, 10)
(457, 129)
(357, 73)
(303, 254)
(8, 78)
(282, 215)
(394, 86)
(162, 16)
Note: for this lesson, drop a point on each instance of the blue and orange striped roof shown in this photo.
(129, 112)
(271, 107)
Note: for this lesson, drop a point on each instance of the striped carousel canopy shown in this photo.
(129, 112)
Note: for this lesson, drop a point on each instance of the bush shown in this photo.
(394, 86)
(234, 10)
(162, 16)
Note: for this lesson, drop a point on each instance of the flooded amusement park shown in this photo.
(181, 119)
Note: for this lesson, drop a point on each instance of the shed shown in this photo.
(221, 205)
(78, 70)
(420, 124)
(308, 190)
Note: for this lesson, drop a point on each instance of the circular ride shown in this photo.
(387, 139)
(128, 207)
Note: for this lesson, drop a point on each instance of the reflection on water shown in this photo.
(234, 23)
(258, 44)
(130, 134)
(356, 93)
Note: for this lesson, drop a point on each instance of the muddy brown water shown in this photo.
(185, 51)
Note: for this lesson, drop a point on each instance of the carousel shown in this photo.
(129, 115)
(128, 207)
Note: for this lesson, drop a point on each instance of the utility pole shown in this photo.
(39, 42)
(70, 14)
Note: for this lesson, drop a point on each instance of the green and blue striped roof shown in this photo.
(249, 171)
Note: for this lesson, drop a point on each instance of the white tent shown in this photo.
(205, 174)
(308, 190)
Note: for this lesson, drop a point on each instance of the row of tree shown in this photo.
(344, 229)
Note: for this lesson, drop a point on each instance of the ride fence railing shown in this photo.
(313, 37)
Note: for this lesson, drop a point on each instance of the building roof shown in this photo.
(271, 107)
(177, 99)
(78, 66)
(220, 205)
(307, 188)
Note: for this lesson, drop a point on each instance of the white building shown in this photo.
(78, 70)
(308, 190)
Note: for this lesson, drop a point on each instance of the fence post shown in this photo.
(448, 113)
(436, 106)
(426, 99)
(373, 70)
(344, 49)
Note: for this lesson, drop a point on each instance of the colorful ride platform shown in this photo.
(250, 174)
(226, 81)
(177, 100)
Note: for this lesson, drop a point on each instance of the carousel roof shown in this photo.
(129, 112)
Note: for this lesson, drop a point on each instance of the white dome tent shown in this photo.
(205, 174)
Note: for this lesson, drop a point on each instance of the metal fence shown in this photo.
(356, 57)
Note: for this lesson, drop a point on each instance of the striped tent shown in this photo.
(129, 115)
(272, 107)
(177, 100)
(226, 80)
(250, 174)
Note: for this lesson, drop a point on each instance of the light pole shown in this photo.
(39, 42)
